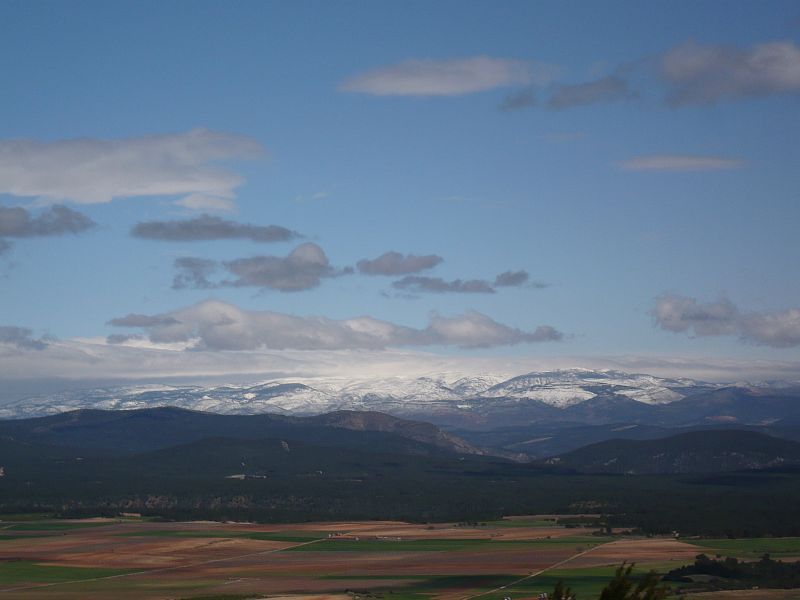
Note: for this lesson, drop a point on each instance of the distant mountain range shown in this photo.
(571, 396)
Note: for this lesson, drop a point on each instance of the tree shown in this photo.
(623, 587)
(562, 593)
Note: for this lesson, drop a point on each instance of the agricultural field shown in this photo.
(139, 559)
(109, 558)
(778, 548)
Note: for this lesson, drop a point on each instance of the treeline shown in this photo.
(767, 573)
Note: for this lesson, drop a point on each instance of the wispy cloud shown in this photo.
(90, 170)
(421, 284)
(523, 98)
(204, 203)
(206, 227)
(394, 263)
(437, 285)
(137, 320)
(680, 162)
(682, 314)
(698, 74)
(608, 89)
(454, 77)
(215, 325)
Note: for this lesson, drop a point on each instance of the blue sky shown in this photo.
(645, 179)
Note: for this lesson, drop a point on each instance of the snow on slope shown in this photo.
(395, 395)
(572, 386)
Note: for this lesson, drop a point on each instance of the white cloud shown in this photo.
(680, 162)
(216, 325)
(454, 77)
(90, 171)
(700, 74)
(681, 314)
(476, 330)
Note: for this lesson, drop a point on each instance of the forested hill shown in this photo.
(713, 451)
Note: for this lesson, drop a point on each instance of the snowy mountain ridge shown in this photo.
(395, 395)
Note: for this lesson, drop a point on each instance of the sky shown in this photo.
(198, 189)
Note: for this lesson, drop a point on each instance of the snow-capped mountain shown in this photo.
(568, 387)
(418, 397)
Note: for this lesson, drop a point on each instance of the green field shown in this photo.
(21, 571)
(521, 523)
(586, 583)
(427, 586)
(750, 547)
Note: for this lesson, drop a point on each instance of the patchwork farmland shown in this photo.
(136, 559)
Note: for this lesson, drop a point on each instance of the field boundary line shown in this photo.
(537, 573)
(160, 569)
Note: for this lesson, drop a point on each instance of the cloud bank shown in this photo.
(682, 314)
(90, 170)
(454, 77)
(206, 227)
(216, 325)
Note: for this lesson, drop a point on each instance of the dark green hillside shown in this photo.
(713, 451)
(142, 430)
(303, 482)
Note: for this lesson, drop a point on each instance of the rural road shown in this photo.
(535, 574)
(158, 570)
